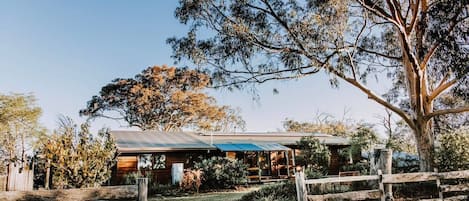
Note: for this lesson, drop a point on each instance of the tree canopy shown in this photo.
(77, 157)
(19, 126)
(420, 45)
(163, 98)
(323, 123)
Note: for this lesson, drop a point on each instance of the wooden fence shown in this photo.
(305, 186)
(19, 180)
(3, 182)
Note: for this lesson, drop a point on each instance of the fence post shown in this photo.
(383, 161)
(47, 179)
(386, 165)
(381, 185)
(438, 184)
(301, 192)
(142, 189)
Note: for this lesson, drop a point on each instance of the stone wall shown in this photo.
(101, 193)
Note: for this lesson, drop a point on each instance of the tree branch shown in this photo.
(415, 8)
(375, 9)
(441, 87)
(379, 54)
(375, 97)
(447, 111)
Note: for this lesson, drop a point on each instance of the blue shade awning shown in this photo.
(272, 147)
(251, 147)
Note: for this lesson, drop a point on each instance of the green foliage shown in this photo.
(285, 191)
(222, 172)
(77, 157)
(130, 178)
(314, 155)
(418, 46)
(163, 98)
(399, 134)
(362, 167)
(362, 139)
(324, 123)
(19, 127)
(453, 153)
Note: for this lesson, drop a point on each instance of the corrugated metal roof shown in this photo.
(154, 141)
(283, 138)
(251, 147)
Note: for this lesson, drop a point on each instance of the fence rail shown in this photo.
(303, 186)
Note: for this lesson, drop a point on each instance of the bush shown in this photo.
(314, 172)
(453, 153)
(130, 178)
(276, 192)
(362, 167)
(219, 172)
(191, 180)
(315, 156)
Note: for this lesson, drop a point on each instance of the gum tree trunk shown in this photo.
(425, 145)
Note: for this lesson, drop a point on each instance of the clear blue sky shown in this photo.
(65, 51)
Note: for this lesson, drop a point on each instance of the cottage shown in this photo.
(268, 155)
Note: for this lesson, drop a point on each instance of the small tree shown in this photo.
(453, 153)
(314, 155)
(19, 127)
(77, 157)
(362, 139)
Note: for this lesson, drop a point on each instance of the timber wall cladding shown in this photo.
(106, 193)
(128, 163)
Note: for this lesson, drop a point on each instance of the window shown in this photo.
(151, 161)
(159, 161)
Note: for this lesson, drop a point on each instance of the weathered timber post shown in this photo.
(381, 185)
(47, 179)
(301, 192)
(438, 184)
(142, 189)
(383, 161)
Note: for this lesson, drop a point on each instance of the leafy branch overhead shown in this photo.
(421, 46)
(163, 98)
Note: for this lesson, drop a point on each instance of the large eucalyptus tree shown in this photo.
(420, 45)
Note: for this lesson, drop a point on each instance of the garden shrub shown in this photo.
(285, 191)
(220, 172)
(362, 167)
(315, 156)
(191, 180)
(453, 153)
(130, 178)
